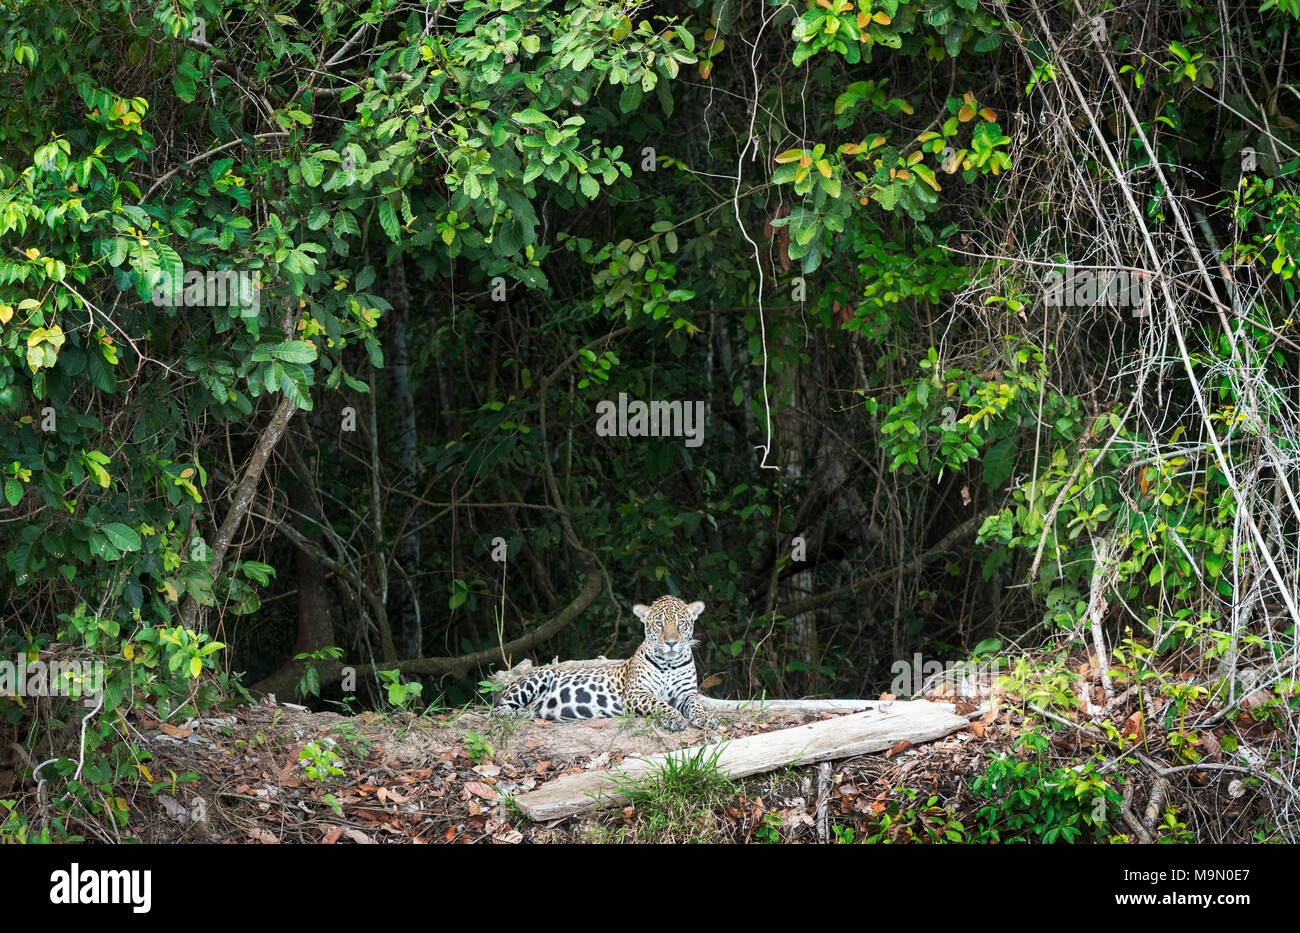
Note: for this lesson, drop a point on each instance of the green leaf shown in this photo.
(312, 170)
(294, 351)
(346, 224)
(388, 220)
(13, 491)
(630, 99)
(293, 390)
(124, 537)
(952, 40)
(999, 462)
(100, 546)
(172, 268)
(215, 171)
(183, 84)
(255, 570)
(99, 474)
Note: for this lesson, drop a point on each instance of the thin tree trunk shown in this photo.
(315, 607)
(408, 630)
(245, 492)
(803, 627)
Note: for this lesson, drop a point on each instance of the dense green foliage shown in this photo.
(445, 233)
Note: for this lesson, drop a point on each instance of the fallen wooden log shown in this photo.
(874, 730)
(525, 667)
(792, 706)
(823, 706)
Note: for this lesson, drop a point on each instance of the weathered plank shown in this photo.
(817, 706)
(791, 706)
(857, 734)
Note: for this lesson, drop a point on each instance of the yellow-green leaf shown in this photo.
(924, 173)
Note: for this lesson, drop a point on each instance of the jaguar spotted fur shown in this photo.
(658, 680)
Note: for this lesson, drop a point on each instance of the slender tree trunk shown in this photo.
(798, 585)
(315, 606)
(408, 628)
(243, 499)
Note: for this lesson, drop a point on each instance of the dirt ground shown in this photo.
(279, 772)
(243, 777)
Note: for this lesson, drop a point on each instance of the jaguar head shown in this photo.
(669, 625)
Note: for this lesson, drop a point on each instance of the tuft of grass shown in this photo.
(680, 800)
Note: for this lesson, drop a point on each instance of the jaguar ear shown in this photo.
(694, 610)
(640, 611)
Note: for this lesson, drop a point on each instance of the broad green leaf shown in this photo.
(124, 537)
(312, 170)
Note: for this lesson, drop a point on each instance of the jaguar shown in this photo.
(658, 680)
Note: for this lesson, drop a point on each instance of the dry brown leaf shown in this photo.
(507, 835)
(479, 789)
(174, 732)
(1211, 743)
(899, 746)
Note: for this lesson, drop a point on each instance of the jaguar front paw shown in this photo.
(675, 723)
